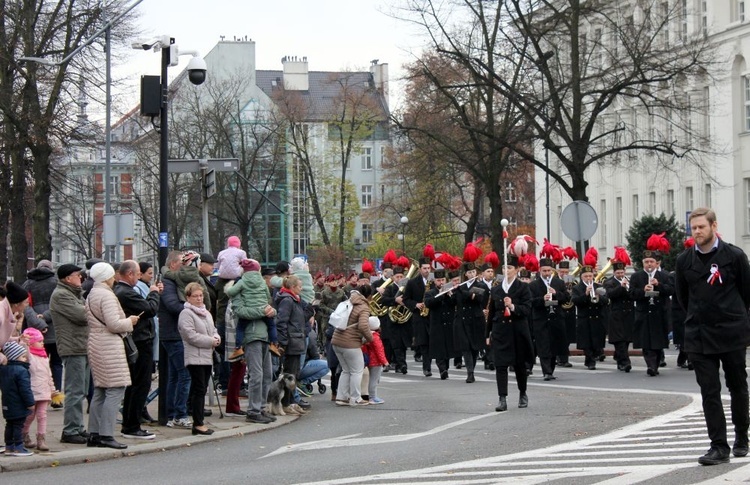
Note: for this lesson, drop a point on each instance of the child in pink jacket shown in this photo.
(42, 386)
(376, 359)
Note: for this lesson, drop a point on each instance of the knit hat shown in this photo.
(45, 263)
(101, 272)
(374, 323)
(297, 264)
(15, 293)
(66, 270)
(13, 350)
(34, 335)
(267, 271)
(282, 267)
(233, 242)
(250, 265)
(191, 258)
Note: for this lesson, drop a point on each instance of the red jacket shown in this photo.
(375, 351)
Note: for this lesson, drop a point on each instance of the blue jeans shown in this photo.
(178, 382)
(312, 371)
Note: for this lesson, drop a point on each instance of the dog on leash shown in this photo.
(279, 388)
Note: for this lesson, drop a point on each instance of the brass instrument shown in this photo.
(601, 274)
(448, 287)
(376, 308)
(400, 314)
(569, 286)
(425, 311)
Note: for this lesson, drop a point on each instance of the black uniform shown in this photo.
(621, 321)
(569, 317)
(590, 315)
(651, 331)
(442, 312)
(717, 330)
(548, 322)
(470, 324)
(413, 294)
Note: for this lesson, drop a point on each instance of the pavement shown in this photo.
(166, 439)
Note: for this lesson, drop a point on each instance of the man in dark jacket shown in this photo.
(621, 316)
(713, 286)
(413, 299)
(40, 284)
(548, 294)
(146, 308)
(442, 312)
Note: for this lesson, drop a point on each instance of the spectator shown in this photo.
(300, 269)
(314, 369)
(72, 330)
(347, 344)
(109, 365)
(17, 397)
(290, 326)
(42, 386)
(206, 269)
(228, 267)
(376, 360)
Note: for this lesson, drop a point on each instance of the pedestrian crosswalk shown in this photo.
(644, 451)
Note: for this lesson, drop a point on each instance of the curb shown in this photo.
(93, 455)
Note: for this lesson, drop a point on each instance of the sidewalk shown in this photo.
(166, 439)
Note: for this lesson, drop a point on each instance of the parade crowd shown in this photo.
(227, 319)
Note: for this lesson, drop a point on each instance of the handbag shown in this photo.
(131, 351)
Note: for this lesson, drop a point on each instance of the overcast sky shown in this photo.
(332, 34)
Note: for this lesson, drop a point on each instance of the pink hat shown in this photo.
(250, 265)
(234, 242)
(34, 335)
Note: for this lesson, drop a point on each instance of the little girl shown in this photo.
(42, 386)
(376, 355)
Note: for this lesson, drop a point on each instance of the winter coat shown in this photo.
(15, 387)
(184, 276)
(250, 296)
(40, 284)
(548, 327)
(133, 303)
(198, 334)
(108, 322)
(621, 312)
(442, 314)
(375, 351)
(7, 325)
(329, 300)
(228, 263)
(651, 320)
(357, 327)
(290, 323)
(308, 291)
(31, 319)
(70, 321)
(510, 336)
(413, 294)
(213, 296)
(590, 330)
(717, 319)
(469, 324)
(42, 384)
(170, 307)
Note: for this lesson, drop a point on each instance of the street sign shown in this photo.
(118, 229)
(191, 166)
(579, 220)
(209, 183)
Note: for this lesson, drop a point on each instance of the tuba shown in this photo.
(425, 311)
(400, 314)
(376, 308)
(601, 274)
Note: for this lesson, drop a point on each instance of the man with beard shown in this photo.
(413, 299)
(399, 335)
(713, 285)
(442, 311)
(548, 293)
(591, 302)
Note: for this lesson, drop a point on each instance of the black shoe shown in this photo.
(566, 364)
(740, 447)
(85, 434)
(549, 377)
(304, 404)
(627, 368)
(110, 442)
(459, 365)
(523, 401)
(418, 358)
(503, 406)
(529, 372)
(591, 367)
(601, 358)
(138, 434)
(206, 432)
(208, 412)
(427, 373)
(492, 366)
(146, 418)
(74, 439)
(403, 370)
(93, 441)
(714, 457)
(258, 418)
(662, 364)
(651, 372)
(444, 375)
(269, 416)
(470, 378)
(386, 368)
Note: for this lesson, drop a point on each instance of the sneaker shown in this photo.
(236, 356)
(257, 418)
(170, 423)
(184, 423)
(360, 402)
(19, 450)
(140, 434)
(236, 414)
(269, 416)
(376, 400)
(304, 404)
(302, 389)
(341, 402)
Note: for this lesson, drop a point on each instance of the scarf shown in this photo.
(507, 284)
(199, 310)
(291, 293)
(38, 351)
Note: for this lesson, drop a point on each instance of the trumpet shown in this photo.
(425, 311)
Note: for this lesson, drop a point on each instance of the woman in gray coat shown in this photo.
(200, 338)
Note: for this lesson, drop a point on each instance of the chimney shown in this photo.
(295, 73)
(380, 78)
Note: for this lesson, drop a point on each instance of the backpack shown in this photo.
(339, 319)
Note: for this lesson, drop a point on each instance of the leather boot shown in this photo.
(523, 401)
(41, 442)
(27, 441)
(470, 378)
(503, 406)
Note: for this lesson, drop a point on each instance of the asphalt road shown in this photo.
(600, 426)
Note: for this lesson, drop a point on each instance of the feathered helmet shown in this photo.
(368, 267)
(621, 258)
(471, 253)
(428, 255)
(656, 247)
(491, 260)
(589, 260)
(531, 263)
(448, 261)
(551, 254)
(389, 259)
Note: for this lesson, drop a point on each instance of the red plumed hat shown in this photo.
(569, 253)
(471, 253)
(492, 259)
(551, 251)
(429, 252)
(403, 261)
(520, 245)
(531, 263)
(591, 257)
(367, 266)
(689, 242)
(390, 256)
(622, 256)
(657, 242)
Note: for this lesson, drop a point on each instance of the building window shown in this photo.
(747, 102)
(665, 27)
(114, 185)
(382, 155)
(366, 158)
(704, 18)
(741, 10)
(689, 201)
(367, 230)
(652, 203)
(636, 207)
(670, 202)
(706, 196)
(619, 221)
(510, 192)
(747, 206)
(366, 196)
(603, 219)
(683, 21)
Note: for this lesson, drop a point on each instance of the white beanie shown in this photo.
(374, 323)
(297, 264)
(101, 272)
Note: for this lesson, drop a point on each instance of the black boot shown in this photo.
(502, 406)
(523, 401)
(470, 378)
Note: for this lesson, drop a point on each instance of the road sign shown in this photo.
(118, 229)
(579, 220)
(191, 166)
(209, 184)
(163, 240)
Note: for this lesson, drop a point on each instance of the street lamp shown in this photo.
(542, 61)
(404, 222)
(197, 74)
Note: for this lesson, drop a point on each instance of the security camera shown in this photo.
(196, 70)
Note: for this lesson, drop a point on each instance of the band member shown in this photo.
(568, 314)
(413, 299)
(487, 280)
(591, 301)
(508, 332)
(399, 335)
(548, 294)
(621, 315)
(442, 311)
(470, 322)
(651, 289)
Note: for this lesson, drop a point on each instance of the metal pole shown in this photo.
(546, 161)
(204, 203)
(163, 159)
(109, 250)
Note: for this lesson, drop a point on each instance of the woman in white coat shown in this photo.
(106, 351)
